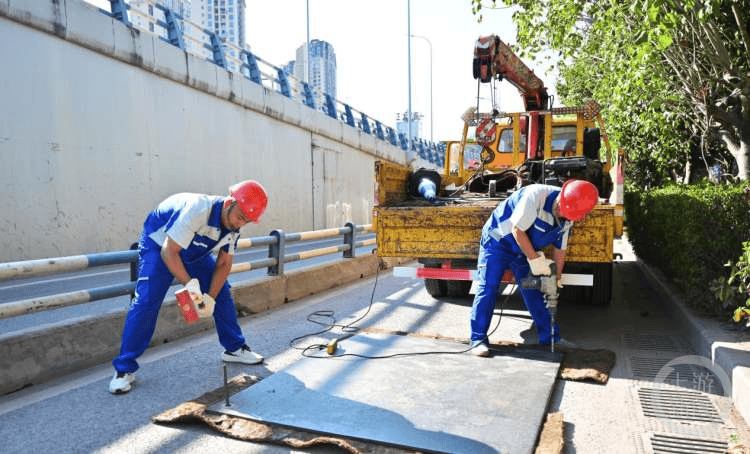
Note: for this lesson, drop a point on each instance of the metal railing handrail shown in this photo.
(276, 243)
(217, 51)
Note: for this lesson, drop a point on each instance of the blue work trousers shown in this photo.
(154, 279)
(494, 258)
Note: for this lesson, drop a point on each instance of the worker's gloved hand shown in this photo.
(205, 308)
(540, 265)
(194, 288)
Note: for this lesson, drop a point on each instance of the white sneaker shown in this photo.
(243, 355)
(121, 382)
(481, 349)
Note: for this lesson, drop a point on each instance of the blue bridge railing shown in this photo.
(148, 15)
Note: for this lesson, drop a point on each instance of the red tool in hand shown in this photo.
(187, 306)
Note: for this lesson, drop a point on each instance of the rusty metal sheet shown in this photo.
(441, 232)
(390, 182)
(453, 403)
(592, 240)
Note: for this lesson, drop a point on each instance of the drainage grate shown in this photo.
(683, 375)
(652, 342)
(678, 404)
(670, 443)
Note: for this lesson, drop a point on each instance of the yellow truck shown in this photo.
(437, 216)
(443, 231)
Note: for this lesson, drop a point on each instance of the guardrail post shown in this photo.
(379, 130)
(423, 150)
(309, 98)
(349, 238)
(348, 116)
(219, 56)
(277, 251)
(120, 11)
(284, 83)
(365, 124)
(133, 269)
(252, 68)
(174, 32)
(392, 136)
(404, 142)
(330, 106)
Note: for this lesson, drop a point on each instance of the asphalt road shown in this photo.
(75, 413)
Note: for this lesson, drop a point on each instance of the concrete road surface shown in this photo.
(76, 413)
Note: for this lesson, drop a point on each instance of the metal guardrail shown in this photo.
(277, 257)
(153, 17)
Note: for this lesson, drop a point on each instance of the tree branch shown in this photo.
(742, 27)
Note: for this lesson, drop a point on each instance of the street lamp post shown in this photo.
(408, 45)
(307, 47)
(430, 44)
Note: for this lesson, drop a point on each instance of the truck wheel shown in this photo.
(598, 295)
(601, 293)
(436, 287)
(458, 289)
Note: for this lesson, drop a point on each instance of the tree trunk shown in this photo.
(741, 153)
(743, 161)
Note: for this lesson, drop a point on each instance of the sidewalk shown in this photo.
(711, 338)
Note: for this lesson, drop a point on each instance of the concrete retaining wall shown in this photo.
(99, 122)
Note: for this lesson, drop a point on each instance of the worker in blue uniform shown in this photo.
(178, 240)
(531, 219)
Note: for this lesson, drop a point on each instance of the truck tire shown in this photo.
(458, 289)
(437, 288)
(601, 293)
(598, 295)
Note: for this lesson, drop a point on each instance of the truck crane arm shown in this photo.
(495, 59)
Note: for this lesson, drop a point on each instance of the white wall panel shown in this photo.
(94, 134)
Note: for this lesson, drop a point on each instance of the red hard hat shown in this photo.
(251, 198)
(577, 199)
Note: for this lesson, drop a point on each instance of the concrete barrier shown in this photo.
(36, 355)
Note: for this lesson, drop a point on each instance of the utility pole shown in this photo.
(430, 44)
(408, 41)
(307, 47)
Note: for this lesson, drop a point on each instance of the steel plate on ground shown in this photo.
(453, 403)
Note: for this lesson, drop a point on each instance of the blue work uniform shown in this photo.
(530, 209)
(194, 222)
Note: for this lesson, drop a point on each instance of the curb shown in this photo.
(727, 349)
(39, 354)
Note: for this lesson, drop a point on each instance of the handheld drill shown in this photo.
(548, 286)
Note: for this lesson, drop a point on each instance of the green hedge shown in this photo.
(689, 233)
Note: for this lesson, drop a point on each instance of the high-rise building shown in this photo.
(289, 68)
(402, 124)
(144, 17)
(226, 18)
(322, 66)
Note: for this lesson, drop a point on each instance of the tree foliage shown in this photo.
(672, 75)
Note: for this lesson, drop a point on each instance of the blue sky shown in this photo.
(370, 42)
